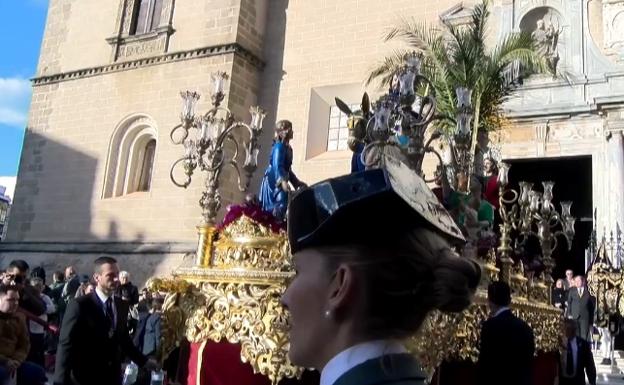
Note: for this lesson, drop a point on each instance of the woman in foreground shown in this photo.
(373, 255)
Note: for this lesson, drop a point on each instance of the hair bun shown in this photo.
(455, 280)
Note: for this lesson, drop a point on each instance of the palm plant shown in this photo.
(457, 56)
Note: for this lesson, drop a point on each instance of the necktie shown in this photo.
(570, 360)
(580, 292)
(110, 314)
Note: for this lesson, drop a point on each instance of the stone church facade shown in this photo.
(94, 172)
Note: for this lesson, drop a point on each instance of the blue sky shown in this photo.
(21, 31)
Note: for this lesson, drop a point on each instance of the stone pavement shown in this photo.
(610, 374)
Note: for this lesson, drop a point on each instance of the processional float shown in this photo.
(230, 297)
(605, 281)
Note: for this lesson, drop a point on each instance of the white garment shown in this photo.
(605, 345)
(502, 309)
(358, 354)
(34, 327)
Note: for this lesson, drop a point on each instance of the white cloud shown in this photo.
(9, 183)
(14, 100)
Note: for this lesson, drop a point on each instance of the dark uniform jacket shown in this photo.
(392, 369)
(506, 351)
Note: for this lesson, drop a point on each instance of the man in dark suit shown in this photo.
(507, 343)
(577, 359)
(581, 307)
(94, 336)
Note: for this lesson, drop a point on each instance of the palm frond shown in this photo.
(415, 33)
(478, 25)
(457, 56)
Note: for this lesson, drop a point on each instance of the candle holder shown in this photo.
(204, 138)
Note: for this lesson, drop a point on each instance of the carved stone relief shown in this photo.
(546, 26)
(576, 131)
(142, 48)
(542, 132)
(613, 24)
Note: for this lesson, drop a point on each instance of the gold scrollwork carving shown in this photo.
(246, 314)
(249, 245)
(236, 298)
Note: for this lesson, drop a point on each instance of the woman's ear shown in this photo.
(341, 288)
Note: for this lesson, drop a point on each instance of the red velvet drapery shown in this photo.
(221, 365)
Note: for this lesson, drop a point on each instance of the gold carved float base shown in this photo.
(236, 298)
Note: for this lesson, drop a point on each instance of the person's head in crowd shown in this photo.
(570, 328)
(124, 277)
(106, 275)
(579, 281)
(38, 272)
(475, 188)
(16, 273)
(157, 304)
(490, 166)
(569, 275)
(38, 284)
(559, 284)
(144, 294)
(90, 287)
(9, 299)
(462, 181)
(58, 276)
(499, 296)
(144, 306)
(70, 272)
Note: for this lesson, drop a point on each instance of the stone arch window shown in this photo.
(131, 156)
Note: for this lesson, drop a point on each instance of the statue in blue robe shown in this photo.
(278, 176)
(356, 159)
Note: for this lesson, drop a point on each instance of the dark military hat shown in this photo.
(371, 207)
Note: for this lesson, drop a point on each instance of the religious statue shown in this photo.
(546, 37)
(357, 124)
(278, 176)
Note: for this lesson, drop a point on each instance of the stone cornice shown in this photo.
(99, 247)
(214, 50)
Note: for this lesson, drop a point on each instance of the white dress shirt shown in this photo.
(358, 354)
(499, 311)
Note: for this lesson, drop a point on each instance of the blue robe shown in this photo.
(356, 159)
(272, 198)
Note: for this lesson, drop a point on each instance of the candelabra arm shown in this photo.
(188, 172)
(185, 126)
(431, 150)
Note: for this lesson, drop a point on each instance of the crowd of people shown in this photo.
(60, 327)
